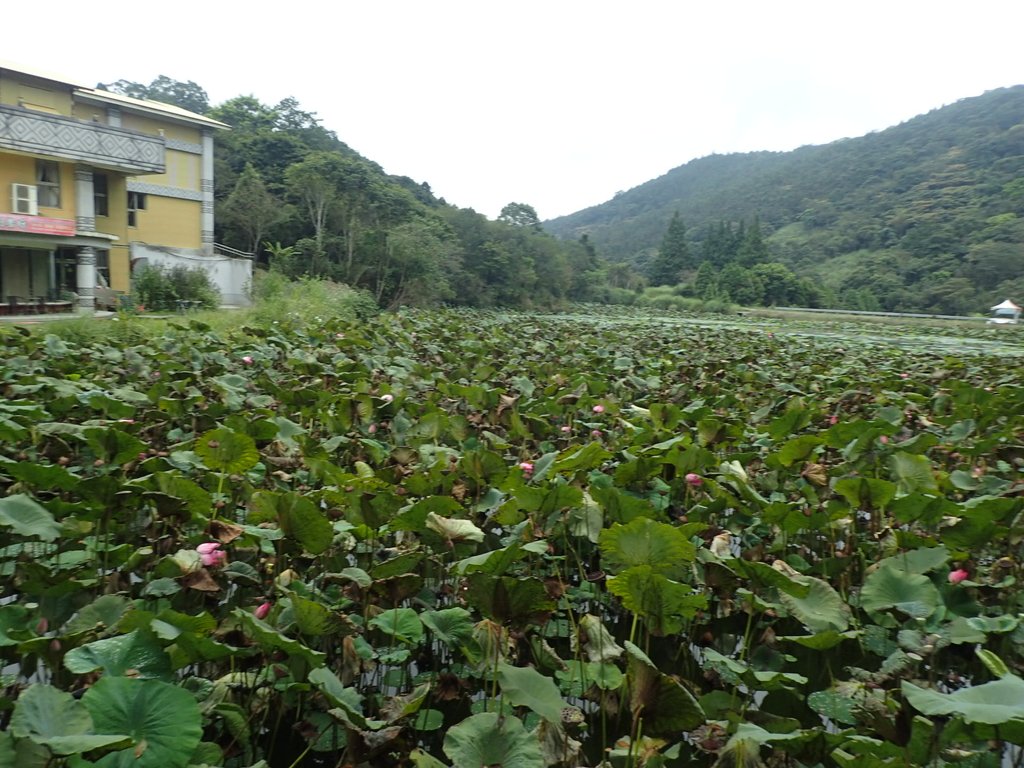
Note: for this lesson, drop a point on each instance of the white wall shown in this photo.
(231, 276)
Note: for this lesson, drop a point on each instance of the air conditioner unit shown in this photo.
(23, 199)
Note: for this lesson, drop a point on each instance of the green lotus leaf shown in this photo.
(407, 562)
(452, 626)
(835, 703)
(487, 739)
(402, 624)
(642, 541)
(995, 703)
(912, 473)
(101, 614)
(298, 518)
(586, 520)
(497, 561)
(345, 699)
(414, 517)
(997, 624)
(137, 654)
(195, 498)
(42, 477)
(866, 492)
(428, 720)
(765, 575)
(27, 517)
(666, 706)
(920, 560)
(15, 621)
(454, 529)
(509, 600)
(114, 446)
(526, 687)
(823, 609)
(224, 450)
(910, 593)
(51, 717)
(313, 618)
(590, 456)
(268, 637)
(992, 662)
(798, 449)
(821, 641)
(162, 720)
(664, 604)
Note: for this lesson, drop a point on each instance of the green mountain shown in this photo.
(927, 215)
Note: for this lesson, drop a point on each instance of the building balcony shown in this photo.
(56, 136)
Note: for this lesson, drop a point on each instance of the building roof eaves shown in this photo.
(145, 105)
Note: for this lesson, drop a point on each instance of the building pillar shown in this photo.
(86, 280)
(53, 293)
(85, 202)
(114, 117)
(206, 188)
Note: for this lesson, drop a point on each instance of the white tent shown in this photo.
(1006, 305)
(1004, 313)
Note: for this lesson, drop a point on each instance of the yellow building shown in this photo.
(92, 182)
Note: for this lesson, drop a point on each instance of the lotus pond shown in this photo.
(466, 539)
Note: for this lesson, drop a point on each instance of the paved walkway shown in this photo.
(33, 319)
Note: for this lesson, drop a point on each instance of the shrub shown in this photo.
(308, 300)
(161, 288)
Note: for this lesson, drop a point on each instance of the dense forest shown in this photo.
(924, 216)
(288, 190)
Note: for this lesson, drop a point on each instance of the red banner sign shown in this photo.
(36, 225)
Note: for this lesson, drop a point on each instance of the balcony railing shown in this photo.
(26, 130)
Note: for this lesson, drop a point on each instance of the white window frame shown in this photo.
(23, 199)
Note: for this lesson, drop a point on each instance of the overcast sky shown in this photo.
(558, 104)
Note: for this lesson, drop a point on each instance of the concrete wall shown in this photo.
(231, 276)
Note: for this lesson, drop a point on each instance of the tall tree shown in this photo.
(417, 265)
(315, 183)
(520, 215)
(673, 256)
(187, 95)
(752, 249)
(250, 209)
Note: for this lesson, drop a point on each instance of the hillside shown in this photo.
(926, 215)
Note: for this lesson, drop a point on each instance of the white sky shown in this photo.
(558, 104)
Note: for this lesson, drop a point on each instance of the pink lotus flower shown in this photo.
(904, 375)
(527, 467)
(211, 554)
(566, 429)
(598, 408)
(883, 439)
(955, 577)
(372, 429)
(387, 398)
(247, 359)
(692, 478)
(262, 610)
(596, 434)
(833, 419)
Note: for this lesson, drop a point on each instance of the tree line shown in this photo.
(925, 216)
(288, 190)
